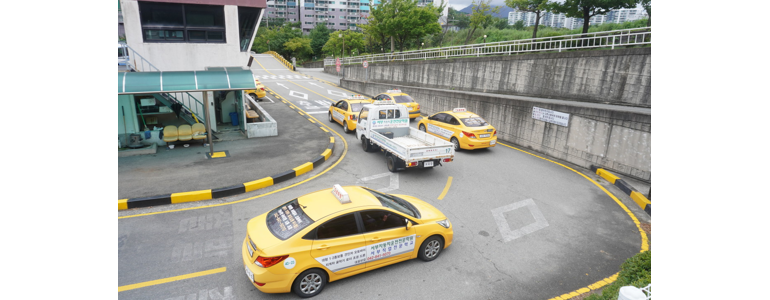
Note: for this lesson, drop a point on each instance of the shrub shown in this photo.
(635, 271)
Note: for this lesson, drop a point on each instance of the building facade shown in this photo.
(561, 21)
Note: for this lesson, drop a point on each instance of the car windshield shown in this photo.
(288, 219)
(403, 99)
(474, 122)
(356, 107)
(396, 203)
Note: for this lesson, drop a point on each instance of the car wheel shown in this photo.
(431, 248)
(345, 127)
(391, 161)
(309, 283)
(254, 96)
(365, 144)
(422, 128)
(330, 118)
(456, 144)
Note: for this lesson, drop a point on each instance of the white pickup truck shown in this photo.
(384, 125)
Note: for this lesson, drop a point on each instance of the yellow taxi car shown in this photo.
(403, 99)
(259, 93)
(464, 129)
(345, 111)
(335, 233)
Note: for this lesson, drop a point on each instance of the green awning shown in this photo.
(213, 79)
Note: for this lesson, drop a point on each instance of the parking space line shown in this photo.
(446, 188)
(170, 279)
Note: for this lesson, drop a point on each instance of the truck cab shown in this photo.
(383, 117)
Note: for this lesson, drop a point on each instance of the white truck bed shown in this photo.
(417, 146)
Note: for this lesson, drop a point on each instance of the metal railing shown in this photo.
(603, 39)
(144, 66)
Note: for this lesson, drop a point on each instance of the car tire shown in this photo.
(365, 144)
(422, 128)
(310, 283)
(391, 162)
(345, 127)
(254, 96)
(431, 248)
(330, 118)
(456, 144)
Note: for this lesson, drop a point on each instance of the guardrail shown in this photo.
(603, 39)
(281, 59)
(145, 65)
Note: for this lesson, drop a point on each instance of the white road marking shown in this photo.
(393, 181)
(337, 93)
(283, 86)
(298, 95)
(317, 112)
(506, 231)
(212, 294)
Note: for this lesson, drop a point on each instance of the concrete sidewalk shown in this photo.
(188, 169)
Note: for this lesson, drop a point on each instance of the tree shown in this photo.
(299, 47)
(500, 23)
(404, 21)
(375, 37)
(460, 19)
(519, 25)
(319, 35)
(534, 6)
(480, 16)
(353, 40)
(586, 9)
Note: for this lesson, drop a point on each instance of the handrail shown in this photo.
(601, 39)
(281, 59)
(132, 61)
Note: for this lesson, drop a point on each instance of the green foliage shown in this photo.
(635, 271)
(319, 35)
(404, 21)
(352, 40)
(481, 16)
(277, 38)
(586, 9)
(536, 6)
(459, 19)
(500, 23)
(519, 25)
(299, 47)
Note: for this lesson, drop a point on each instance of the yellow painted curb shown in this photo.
(258, 184)
(190, 196)
(304, 168)
(327, 153)
(122, 204)
(640, 199)
(607, 175)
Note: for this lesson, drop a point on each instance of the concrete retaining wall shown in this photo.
(610, 138)
(621, 76)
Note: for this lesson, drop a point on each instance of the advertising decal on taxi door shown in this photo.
(440, 131)
(346, 259)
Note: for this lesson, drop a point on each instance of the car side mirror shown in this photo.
(408, 224)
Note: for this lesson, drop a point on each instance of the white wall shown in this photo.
(185, 56)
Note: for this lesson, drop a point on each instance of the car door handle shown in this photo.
(323, 247)
(376, 239)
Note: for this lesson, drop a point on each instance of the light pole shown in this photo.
(485, 39)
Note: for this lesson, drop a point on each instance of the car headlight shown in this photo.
(444, 223)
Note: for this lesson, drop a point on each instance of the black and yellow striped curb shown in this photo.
(174, 198)
(638, 197)
(281, 59)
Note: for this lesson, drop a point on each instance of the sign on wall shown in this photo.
(550, 116)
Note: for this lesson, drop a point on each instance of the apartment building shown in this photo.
(336, 14)
(561, 21)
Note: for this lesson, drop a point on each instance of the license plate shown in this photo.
(492, 142)
(427, 164)
(248, 273)
(486, 135)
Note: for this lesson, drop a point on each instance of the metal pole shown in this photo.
(208, 121)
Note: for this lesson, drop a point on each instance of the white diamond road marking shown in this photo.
(298, 95)
(393, 181)
(337, 93)
(510, 234)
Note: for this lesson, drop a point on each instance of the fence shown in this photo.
(603, 39)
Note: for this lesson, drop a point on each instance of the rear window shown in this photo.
(396, 203)
(474, 122)
(356, 107)
(288, 219)
(403, 99)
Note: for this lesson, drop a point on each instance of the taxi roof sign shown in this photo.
(357, 97)
(384, 102)
(394, 91)
(341, 194)
(462, 109)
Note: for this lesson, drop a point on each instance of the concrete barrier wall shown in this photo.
(621, 76)
(317, 64)
(617, 140)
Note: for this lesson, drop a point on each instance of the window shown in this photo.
(403, 99)
(364, 114)
(287, 219)
(338, 227)
(375, 220)
(474, 122)
(171, 22)
(396, 203)
(247, 20)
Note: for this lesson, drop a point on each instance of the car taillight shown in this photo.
(470, 135)
(263, 89)
(418, 106)
(494, 133)
(413, 164)
(267, 262)
(446, 160)
(352, 117)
